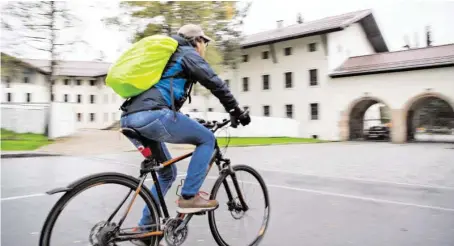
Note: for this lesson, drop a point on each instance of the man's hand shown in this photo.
(238, 114)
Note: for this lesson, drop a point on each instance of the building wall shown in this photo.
(300, 95)
(259, 127)
(331, 50)
(18, 87)
(396, 90)
(352, 41)
(105, 107)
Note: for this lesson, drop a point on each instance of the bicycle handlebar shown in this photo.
(216, 125)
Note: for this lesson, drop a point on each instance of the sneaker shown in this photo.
(196, 204)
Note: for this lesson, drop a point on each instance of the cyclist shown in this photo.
(154, 113)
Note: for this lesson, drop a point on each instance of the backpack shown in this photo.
(141, 66)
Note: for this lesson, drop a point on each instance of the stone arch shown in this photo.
(414, 103)
(354, 116)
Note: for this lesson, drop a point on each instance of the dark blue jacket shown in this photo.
(189, 67)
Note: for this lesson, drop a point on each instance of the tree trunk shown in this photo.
(50, 77)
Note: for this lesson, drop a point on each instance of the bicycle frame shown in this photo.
(149, 165)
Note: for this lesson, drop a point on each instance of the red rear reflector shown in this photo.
(146, 152)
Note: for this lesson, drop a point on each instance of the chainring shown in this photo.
(172, 238)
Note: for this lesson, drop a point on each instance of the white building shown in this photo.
(78, 83)
(326, 73)
(323, 73)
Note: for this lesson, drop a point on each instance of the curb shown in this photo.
(26, 155)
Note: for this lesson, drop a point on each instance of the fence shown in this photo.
(31, 118)
(259, 127)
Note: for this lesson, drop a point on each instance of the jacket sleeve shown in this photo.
(199, 70)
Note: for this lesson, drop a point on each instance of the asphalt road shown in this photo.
(321, 194)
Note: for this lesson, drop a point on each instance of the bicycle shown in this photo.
(174, 230)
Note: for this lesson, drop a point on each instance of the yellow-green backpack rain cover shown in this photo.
(141, 66)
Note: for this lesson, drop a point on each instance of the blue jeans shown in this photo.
(161, 126)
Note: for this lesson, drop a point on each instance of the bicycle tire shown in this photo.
(89, 182)
(211, 218)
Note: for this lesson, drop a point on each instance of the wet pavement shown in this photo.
(321, 194)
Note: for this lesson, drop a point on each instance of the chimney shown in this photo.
(280, 23)
(428, 37)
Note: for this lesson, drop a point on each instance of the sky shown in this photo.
(395, 19)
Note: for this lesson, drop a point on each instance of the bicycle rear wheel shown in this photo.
(234, 208)
(105, 226)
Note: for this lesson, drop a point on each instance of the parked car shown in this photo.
(378, 132)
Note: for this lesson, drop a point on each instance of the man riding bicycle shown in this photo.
(154, 114)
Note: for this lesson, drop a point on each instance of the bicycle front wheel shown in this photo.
(95, 207)
(230, 189)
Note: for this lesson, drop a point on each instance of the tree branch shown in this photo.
(37, 48)
(34, 37)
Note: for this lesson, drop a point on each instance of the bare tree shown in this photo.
(43, 26)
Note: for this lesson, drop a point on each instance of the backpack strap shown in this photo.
(171, 77)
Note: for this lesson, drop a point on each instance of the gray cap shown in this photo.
(192, 31)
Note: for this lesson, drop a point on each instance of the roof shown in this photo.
(9, 58)
(428, 57)
(72, 68)
(321, 26)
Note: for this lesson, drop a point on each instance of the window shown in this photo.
(313, 76)
(66, 81)
(312, 47)
(92, 99)
(92, 117)
(265, 55)
(79, 117)
(266, 82)
(288, 80)
(114, 116)
(9, 97)
(8, 81)
(289, 110)
(245, 58)
(92, 82)
(114, 98)
(314, 111)
(65, 99)
(29, 97)
(227, 82)
(26, 80)
(266, 110)
(106, 116)
(245, 84)
(79, 98)
(194, 110)
(210, 109)
(288, 51)
(106, 98)
(79, 82)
